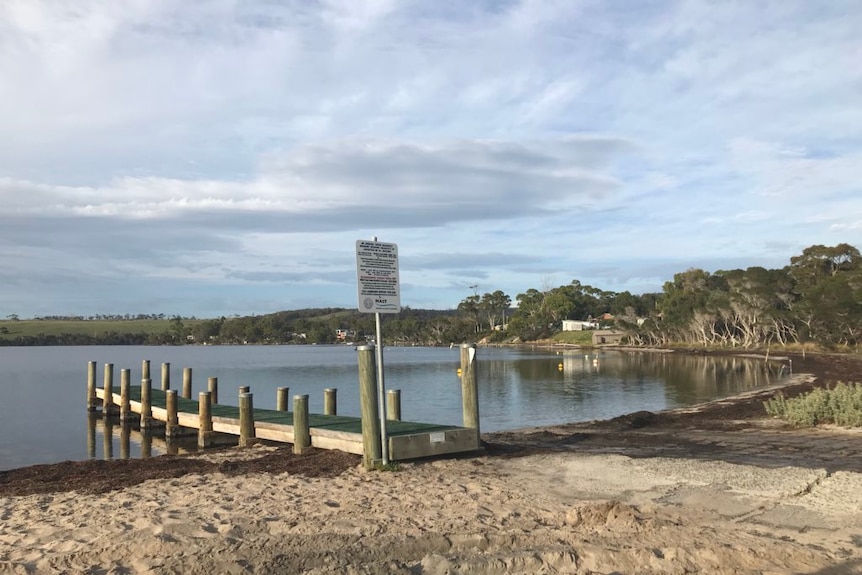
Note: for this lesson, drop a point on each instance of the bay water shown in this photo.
(43, 415)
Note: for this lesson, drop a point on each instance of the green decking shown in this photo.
(402, 440)
(331, 422)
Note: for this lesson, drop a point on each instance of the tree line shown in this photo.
(816, 298)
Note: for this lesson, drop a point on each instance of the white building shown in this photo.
(578, 325)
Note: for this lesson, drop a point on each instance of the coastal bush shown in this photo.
(841, 405)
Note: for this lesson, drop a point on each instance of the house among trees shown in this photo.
(608, 337)
(345, 334)
(578, 325)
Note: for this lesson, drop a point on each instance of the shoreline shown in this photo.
(797, 383)
(714, 488)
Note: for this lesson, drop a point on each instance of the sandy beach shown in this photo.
(708, 490)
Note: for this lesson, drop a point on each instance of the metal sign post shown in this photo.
(378, 291)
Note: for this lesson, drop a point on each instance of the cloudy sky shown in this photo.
(223, 156)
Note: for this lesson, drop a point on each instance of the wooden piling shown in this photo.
(281, 395)
(371, 449)
(187, 382)
(469, 389)
(246, 420)
(145, 369)
(125, 387)
(212, 387)
(108, 398)
(91, 386)
(393, 405)
(166, 376)
(301, 431)
(146, 404)
(205, 428)
(244, 389)
(172, 425)
(330, 401)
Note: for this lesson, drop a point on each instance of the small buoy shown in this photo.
(560, 367)
(459, 371)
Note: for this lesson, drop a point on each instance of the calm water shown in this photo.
(43, 389)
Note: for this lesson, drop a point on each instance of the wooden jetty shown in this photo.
(179, 414)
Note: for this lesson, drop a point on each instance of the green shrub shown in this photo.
(841, 405)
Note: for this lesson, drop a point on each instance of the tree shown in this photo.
(819, 262)
(494, 305)
(177, 329)
(208, 330)
(558, 304)
(469, 308)
(529, 320)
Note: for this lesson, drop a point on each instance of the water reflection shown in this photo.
(518, 387)
(146, 444)
(107, 435)
(557, 387)
(125, 440)
(686, 378)
(108, 441)
(92, 420)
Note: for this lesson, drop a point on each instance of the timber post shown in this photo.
(205, 428)
(145, 369)
(281, 395)
(172, 425)
(91, 386)
(212, 387)
(146, 404)
(244, 389)
(187, 382)
(166, 376)
(393, 405)
(108, 397)
(330, 402)
(469, 388)
(301, 431)
(246, 419)
(371, 448)
(125, 387)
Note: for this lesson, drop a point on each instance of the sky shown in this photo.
(223, 157)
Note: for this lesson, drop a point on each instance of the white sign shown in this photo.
(377, 277)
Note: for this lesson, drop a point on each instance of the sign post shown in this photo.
(378, 291)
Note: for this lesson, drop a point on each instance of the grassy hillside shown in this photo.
(584, 337)
(33, 327)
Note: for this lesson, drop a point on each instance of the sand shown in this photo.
(562, 512)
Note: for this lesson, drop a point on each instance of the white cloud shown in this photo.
(232, 143)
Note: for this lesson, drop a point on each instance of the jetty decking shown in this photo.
(181, 415)
(407, 439)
